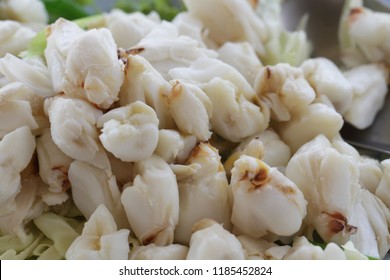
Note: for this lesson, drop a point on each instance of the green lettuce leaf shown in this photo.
(69, 9)
(282, 45)
(57, 229)
(13, 248)
(167, 9)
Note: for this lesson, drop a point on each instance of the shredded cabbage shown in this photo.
(283, 45)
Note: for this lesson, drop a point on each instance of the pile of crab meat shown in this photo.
(148, 139)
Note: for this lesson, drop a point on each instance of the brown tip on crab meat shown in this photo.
(199, 150)
(221, 168)
(268, 72)
(153, 236)
(259, 179)
(176, 90)
(65, 183)
(339, 223)
(122, 56)
(48, 31)
(354, 14)
(254, 3)
(288, 190)
(135, 51)
(65, 186)
(335, 226)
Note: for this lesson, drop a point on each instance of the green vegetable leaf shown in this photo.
(69, 9)
(36, 46)
(167, 9)
(85, 2)
(282, 45)
(13, 248)
(57, 229)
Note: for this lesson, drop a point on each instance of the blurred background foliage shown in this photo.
(74, 9)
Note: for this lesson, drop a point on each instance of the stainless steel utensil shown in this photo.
(324, 16)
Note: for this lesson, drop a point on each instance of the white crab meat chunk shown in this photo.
(144, 83)
(276, 152)
(383, 190)
(15, 111)
(370, 169)
(185, 98)
(60, 37)
(28, 206)
(166, 49)
(130, 132)
(84, 64)
(128, 29)
(20, 92)
(351, 253)
(26, 11)
(369, 84)
(16, 151)
(209, 242)
(285, 89)
(190, 26)
(241, 56)
(365, 239)
(122, 170)
(313, 120)
(327, 79)
(261, 249)
(266, 146)
(100, 239)
(253, 147)
(258, 190)
(73, 126)
(154, 252)
(302, 249)
(234, 117)
(362, 35)
(92, 186)
(14, 37)
(174, 146)
(329, 181)
(151, 202)
(203, 70)
(202, 181)
(32, 72)
(53, 165)
(235, 21)
(372, 218)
